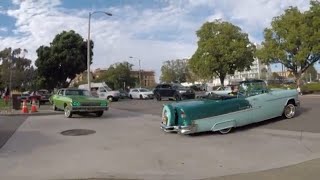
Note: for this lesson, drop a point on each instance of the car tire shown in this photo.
(99, 113)
(289, 111)
(110, 98)
(177, 97)
(131, 96)
(158, 97)
(54, 107)
(225, 131)
(141, 97)
(67, 112)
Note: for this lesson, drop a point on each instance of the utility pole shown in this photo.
(139, 70)
(310, 76)
(88, 45)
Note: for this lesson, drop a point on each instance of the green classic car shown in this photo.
(77, 101)
(253, 103)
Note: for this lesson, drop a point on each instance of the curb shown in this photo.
(310, 95)
(31, 114)
(289, 134)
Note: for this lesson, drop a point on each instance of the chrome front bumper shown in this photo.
(89, 108)
(179, 129)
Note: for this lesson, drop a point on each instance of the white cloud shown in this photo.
(154, 35)
(3, 29)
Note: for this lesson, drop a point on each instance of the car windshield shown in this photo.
(178, 86)
(107, 88)
(144, 90)
(250, 88)
(77, 92)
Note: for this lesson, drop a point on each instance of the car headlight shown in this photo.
(164, 117)
(75, 103)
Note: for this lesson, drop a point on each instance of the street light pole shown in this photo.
(89, 47)
(88, 54)
(139, 70)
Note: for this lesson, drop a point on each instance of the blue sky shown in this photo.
(151, 30)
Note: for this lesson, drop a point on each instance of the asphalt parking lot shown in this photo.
(128, 144)
(307, 118)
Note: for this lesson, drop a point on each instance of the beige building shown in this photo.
(285, 74)
(147, 78)
(98, 72)
(81, 78)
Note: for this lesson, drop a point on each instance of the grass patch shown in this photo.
(307, 88)
(311, 87)
(3, 105)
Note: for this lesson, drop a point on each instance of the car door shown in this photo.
(264, 107)
(102, 92)
(165, 90)
(59, 99)
(135, 93)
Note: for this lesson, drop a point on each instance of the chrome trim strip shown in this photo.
(234, 112)
(89, 106)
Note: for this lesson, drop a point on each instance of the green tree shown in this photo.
(311, 72)
(59, 63)
(293, 40)
(176, 71)
(14, 64)
(118, 75)
(222, 49)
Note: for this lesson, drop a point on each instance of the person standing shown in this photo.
(6, 95)
(299, 90)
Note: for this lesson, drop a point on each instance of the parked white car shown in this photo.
(221, 90)
(140, 93)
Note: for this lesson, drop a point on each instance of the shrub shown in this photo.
(312, 87)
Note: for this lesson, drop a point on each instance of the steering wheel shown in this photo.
(241, 94)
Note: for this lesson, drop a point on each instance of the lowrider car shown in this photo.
(253, 103)
(77, 101)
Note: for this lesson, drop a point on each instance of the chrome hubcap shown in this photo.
(290, 111)
(225, 131)
(67, 111)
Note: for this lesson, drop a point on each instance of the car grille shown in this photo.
(90, 104)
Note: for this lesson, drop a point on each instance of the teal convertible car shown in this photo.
(253, 103)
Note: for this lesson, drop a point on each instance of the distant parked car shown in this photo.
(140, 93)
(176, 91)
(25, 96)
(253, 103)
(123, 94)
(223, 90)
(45, 95)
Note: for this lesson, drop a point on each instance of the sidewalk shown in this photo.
(307, 170)
(41, 112)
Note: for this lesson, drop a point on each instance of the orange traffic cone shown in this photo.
(33, 106)
(24, 107)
